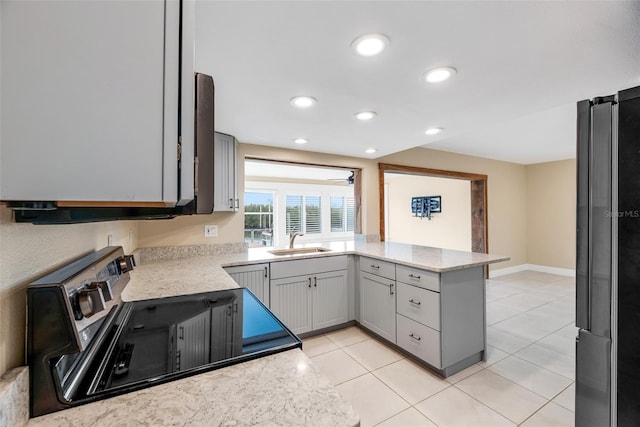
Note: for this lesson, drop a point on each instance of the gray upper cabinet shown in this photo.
(225, 174)
(90, 102)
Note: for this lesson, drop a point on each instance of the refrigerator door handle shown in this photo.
(582, 214)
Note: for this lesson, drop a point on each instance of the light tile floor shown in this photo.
(528, 379)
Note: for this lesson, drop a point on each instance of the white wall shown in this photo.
(450, 229)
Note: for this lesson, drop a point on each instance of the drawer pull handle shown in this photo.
(414, 277)
(414, 302)
(375, 266)
(415, 337)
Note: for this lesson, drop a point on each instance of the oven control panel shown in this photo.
(92, 295)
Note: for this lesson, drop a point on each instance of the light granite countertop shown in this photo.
(169, 277)
(278, 390)
(284, 389)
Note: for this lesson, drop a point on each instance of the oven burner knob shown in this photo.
(105, 288)
(126, 263)
(90, 300)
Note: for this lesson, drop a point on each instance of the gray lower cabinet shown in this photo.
(292, 302)
(255, 277)
(311, 301)
(378, 299)
(419, 340)
(441, 316)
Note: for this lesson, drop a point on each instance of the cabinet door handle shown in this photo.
(309, 281)
(266, 272)
(237, 203)
(315, 282)
(391, 289)
(414, 302)
(230, 203)
(375, 266)
(415, 337)
(414, 277)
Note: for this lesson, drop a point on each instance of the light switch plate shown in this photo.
(210, 231)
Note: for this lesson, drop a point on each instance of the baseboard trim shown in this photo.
(533, 267)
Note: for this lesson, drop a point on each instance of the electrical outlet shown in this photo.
(210, 231)
(109, 240)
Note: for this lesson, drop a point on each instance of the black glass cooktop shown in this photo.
(160, 340)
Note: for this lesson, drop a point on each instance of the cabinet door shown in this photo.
(87, 114)
(225, 174)
(330, 299)
(378, 305)
(255, 277)
(291, 300)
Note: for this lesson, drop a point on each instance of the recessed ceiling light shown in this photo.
(370, 150)
(441, 74)
(365, 115)
(433, 131)
(303, 101)
(370, 44)
(300, 140)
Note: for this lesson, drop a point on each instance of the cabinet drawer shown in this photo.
(422, 278)
(419, 304)
(377, 267)
(308, 266)
(419, 340)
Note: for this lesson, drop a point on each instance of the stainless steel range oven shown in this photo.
(85, 344)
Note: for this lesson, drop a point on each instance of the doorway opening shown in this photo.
(478, 199)
(321, 202)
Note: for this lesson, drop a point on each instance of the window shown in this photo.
(313, 215)
(258, 219)
(293, 213)
(351, 213)
(343, 214)
(337, 214)
(304, 214)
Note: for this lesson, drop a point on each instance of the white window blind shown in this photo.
(293, 207)
(351, 213)
(337, 214)
(313, 215)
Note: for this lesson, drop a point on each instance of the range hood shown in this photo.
(75, 215)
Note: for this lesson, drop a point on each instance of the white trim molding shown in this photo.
(533, 267)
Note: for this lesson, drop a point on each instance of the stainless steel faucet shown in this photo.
(292, 238)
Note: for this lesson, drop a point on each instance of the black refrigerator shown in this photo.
(608, 261)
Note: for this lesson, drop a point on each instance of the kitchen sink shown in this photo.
(294, 251)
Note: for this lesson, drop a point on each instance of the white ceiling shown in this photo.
(522, 65)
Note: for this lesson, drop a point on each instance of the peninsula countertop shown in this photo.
(172, 274)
